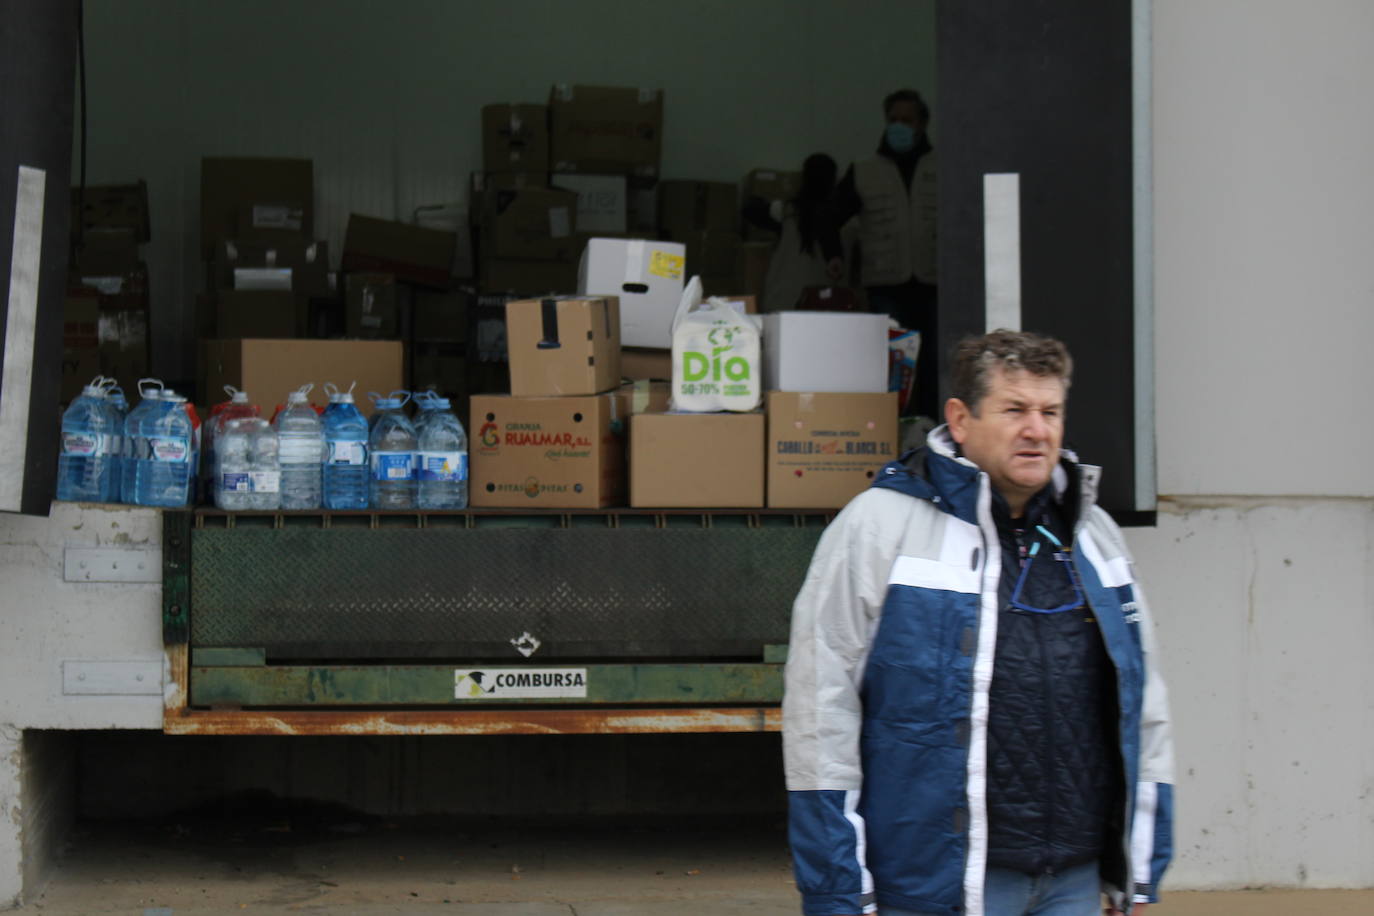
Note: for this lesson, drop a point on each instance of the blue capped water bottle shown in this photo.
(86, 468)
(392, 448)
(346, 468)
(165, 456)
(135, 443)
(119, 409)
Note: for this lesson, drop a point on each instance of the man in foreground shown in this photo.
(973, 721)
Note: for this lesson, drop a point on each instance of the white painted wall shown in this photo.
(1264, 282)
(385, 98)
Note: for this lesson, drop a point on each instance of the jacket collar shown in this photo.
(938, 473)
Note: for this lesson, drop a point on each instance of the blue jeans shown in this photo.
(1073, 892)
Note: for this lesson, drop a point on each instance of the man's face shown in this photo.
(906, 113)
(1016, 435)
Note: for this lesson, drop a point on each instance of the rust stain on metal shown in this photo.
(472, 722)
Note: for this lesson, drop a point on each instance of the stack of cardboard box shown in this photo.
(105, 321)
(269, 285)
(705, 216)
(557, 440)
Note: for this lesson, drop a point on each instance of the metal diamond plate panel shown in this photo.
(427, 593)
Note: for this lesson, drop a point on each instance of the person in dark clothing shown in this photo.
(798, 260)
(893, 195)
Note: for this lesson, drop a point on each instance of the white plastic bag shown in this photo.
(716, 355)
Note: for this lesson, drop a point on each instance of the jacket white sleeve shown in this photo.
(833, 620)
(1153, 822)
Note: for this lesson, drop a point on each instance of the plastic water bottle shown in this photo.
(443, 460)
(236, 408)
(346, 468)
(119, 409)
(86, 468)
(164, 454)
(136, 446)
(248, 472)
(300, 441)
(426, 403)
(392, 449)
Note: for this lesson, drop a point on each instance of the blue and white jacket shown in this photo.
(886, 706)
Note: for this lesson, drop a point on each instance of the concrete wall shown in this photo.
(386, 99)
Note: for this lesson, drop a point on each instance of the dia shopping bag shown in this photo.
(716, 355)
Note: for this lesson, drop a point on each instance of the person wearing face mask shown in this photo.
(893, 194)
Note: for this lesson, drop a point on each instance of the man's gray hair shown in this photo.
(976, 358)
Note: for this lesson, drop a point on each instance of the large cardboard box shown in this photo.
(696, 460)
(305, 264)
(825, 351)
(717, 257)
(563, 345)
(441, 367)
(525, 278)
(412, 254)
(824, 449)
(252, 198)
(257, 313)
(515, 138)
(483, 182)
(554, 452)
(371, 306)
(269, 369)
(606, 131)
(647, 277)
(602, 202)
(697, 206)
(97, 208)
(452, 218)
(537, 224)
(770, 185)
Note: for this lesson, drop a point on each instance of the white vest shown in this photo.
(897, 225)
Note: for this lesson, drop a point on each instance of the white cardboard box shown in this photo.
(839, 352)
(648, 278)
(602, 201)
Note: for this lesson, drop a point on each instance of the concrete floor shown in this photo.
(357, 867)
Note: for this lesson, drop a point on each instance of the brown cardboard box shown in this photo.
(80, 340)
(515, 138)
(715, 254)
(606, 131)
(647, 396)
(308, 262)
(271, 199)
(413, 254)
(824, 449)
(371, 308)
(256, 313)
(770, 185)
(440, 316)
(562, 453)
(697, 206)
(483, 182)
(106, 207)
(531, 224)
(107, 252)
(268, 369)
(696, 460)
(643, 363)
(563, 345)
(504, 275)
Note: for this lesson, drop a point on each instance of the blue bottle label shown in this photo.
(393, 467)
(342, 451)
(85, 445)
(443, 467)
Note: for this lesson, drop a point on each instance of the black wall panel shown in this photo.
(1043, 88)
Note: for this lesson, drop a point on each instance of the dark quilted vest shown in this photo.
(1054, 771)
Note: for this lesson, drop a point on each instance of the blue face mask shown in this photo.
(901, 137)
